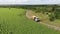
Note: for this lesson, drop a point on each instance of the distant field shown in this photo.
(14, 21)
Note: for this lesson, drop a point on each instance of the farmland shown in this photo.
(14, 21)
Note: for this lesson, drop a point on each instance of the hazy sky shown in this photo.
(29, 1)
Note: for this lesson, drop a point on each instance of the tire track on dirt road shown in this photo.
(29, 15)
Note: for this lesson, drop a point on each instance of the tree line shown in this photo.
(53, 11)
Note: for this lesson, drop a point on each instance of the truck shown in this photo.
(35, 18)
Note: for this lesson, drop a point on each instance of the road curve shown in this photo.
(29, 15)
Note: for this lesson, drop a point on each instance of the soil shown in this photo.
(29, 15)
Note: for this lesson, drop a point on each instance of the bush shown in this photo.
(52, 18)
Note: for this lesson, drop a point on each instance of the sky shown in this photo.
(30, 2)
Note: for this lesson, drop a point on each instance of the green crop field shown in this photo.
(14, 21)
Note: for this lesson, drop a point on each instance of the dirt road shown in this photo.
(29, 15)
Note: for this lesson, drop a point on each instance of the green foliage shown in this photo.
(52, 17)
(57, 13)
(14, 21)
